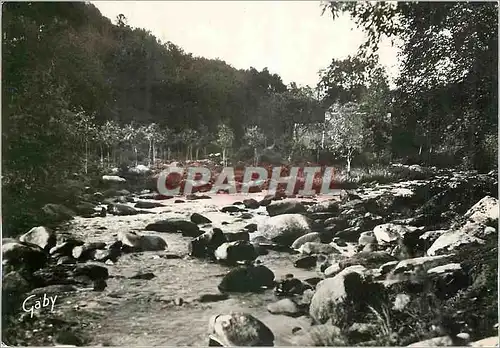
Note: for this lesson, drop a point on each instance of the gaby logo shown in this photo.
(301, 180)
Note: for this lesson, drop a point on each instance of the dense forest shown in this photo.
(81, 93)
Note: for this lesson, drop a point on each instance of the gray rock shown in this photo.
(310, 237)
(285, 229)
(285, 306)
(239, 329)
(175, 225)
(42, 236)
(285, 207)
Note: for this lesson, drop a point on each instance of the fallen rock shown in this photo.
(176, 225)
(113, 178)
(330, 206)
(470, 233)
(85, 209)
(320, 335)
(285, 306)
(20, 256)
(148, 205)
(85, 252)
(285, 229)
(233, 252)
(306, 262)
(230, 209)
(367, 238)
(200, 219)
(42, 236)
(138, 242)
(247, 279)
(239, 329)
(370, 260)
(57, 213)
(310, 237)
(311, 248)
(121, 210)
(424, 263)
(348, 286)
(388, 233)
(235, 236)
(212, 297)
(251, 203)
(484, 212)
(206, 244)
(290, 286)
(285, 207)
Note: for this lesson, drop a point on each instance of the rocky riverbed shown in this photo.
(152, 271)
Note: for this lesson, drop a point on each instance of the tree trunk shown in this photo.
(349, 159)
(255, 156)
(86, 156)
(154, 153)
(102, 155)
(136, 159)
(149, 154)
(224, 157)
(197, 152)
(168, 153)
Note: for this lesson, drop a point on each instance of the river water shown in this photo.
(140, 312)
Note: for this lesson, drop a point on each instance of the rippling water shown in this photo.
(138, 312)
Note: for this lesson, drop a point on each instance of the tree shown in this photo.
(151, 132)
(449, 59)
(225, 138)
(132, 135)
(110, 136)
(87, 132)
(256, 140)
(344, 130)
(189, 138)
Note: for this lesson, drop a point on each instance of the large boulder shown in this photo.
(390, 232)
(251, 203)
(176, 225)
(85, 209)
(19, 255)
(284, 306)
(324, 335)
(285, 207)
(285, 229)
(420, 263)
(142, 242)
(310, 237)
(42, 236)
(233, 252)
(206, 244)
(56, 213)
(330, 206)
(112, 179)
(147, 205)
(200, 219)
(121, 210)
(312, 248)
(484, 212)
(335, 297)
(239, 330)
(247, 279)
(470, 233)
